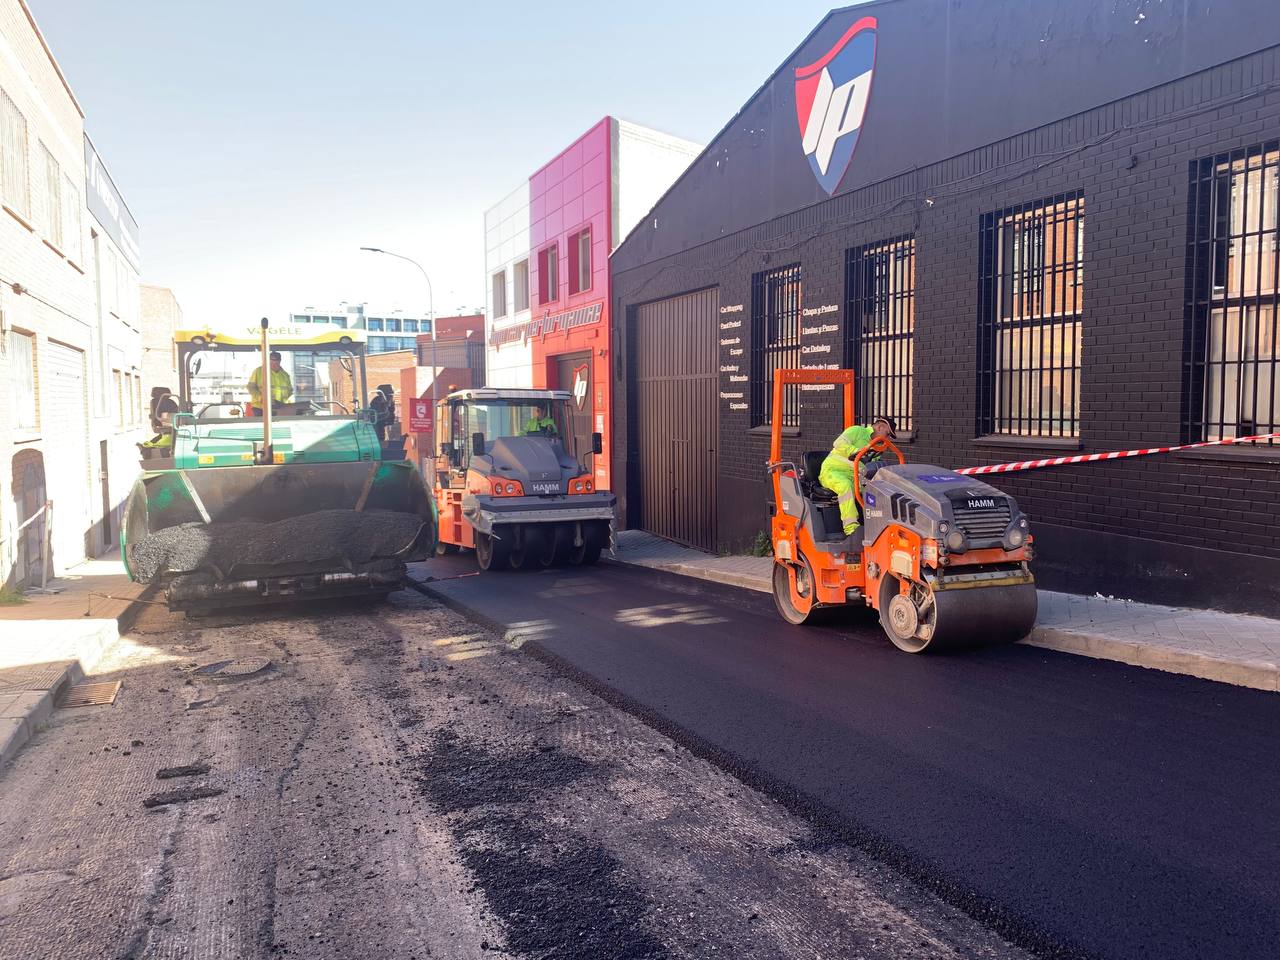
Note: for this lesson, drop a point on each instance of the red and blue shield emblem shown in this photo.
(831, 102)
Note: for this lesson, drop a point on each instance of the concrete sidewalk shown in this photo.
(1227, 647)
(54, 639)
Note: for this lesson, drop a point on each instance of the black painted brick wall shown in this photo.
(1134, 316)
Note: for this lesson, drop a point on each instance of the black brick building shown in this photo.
(1059, 230)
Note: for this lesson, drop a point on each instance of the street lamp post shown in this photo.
(431, 315)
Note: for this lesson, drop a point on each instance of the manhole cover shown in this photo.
(243, 667)
(90, 694)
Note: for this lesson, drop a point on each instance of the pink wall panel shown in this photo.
(570, 192)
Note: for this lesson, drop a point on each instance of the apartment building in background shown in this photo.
(70, 329)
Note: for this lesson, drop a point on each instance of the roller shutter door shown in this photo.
(675, 417)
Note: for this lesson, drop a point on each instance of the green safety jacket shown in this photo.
(846, 448)
(281, 386)
(540, 425)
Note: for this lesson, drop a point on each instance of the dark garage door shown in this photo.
(676, 416)
(573, 373)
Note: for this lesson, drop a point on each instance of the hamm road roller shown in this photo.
(289, 493)
(943, 558)
(508, 485)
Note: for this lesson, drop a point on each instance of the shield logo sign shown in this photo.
(580, 385)
(831, 102)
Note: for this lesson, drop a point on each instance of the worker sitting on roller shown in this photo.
(837, 470)
(281, 385)
(540, 423)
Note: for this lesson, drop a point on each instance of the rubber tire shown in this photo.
(587, 554)
(542, 545)
(446, 549)
(519, 550)
(492, 556)
(782, 598)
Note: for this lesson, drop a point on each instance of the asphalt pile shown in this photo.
(225, 548)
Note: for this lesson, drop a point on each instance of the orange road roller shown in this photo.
(943, 558)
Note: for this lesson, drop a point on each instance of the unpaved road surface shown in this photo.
(400, 784)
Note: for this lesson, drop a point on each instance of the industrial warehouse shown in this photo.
(1028, 237)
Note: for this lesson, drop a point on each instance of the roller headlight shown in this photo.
(1016, 537)
(955, 540)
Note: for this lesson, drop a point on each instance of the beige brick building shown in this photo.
(70, 338)
(161, 316)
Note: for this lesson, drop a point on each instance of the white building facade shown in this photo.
(506, 269)
(70, 341)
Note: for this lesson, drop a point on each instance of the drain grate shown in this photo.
(40, 676)
(234, 669)
(90, 694)
(244, 667)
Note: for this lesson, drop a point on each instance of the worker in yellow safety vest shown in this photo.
(540, 424)
(281, 384)
(837, 470)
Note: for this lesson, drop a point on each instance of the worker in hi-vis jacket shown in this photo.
(281, 384)
(837, 470)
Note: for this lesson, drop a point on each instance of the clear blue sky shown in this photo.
(259, 144)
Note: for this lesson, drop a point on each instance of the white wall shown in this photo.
(647, 163)
(506, 236)
(59, 308)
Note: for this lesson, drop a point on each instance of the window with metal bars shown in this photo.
(1233, 260)
(880, 288)
(1031, 309)
(775, 341)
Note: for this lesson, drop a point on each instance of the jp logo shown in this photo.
(831, 101)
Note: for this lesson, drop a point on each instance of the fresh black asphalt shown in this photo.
(1083, 808)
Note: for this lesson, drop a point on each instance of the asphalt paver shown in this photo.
(399, 782)
(1079, 807)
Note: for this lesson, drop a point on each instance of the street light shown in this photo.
(435, 369)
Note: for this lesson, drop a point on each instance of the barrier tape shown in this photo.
(1114, 455)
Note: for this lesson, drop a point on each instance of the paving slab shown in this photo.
(1227, 647)
(55, 638)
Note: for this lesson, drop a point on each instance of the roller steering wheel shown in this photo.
(878, 445)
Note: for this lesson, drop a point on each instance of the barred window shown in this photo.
(775, 341)
(13, 156)
(22, 380)
(49, 215)
(880, 285)
(1233, 261)
(1030, 320)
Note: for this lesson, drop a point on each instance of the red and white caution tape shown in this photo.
(1113, 455)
